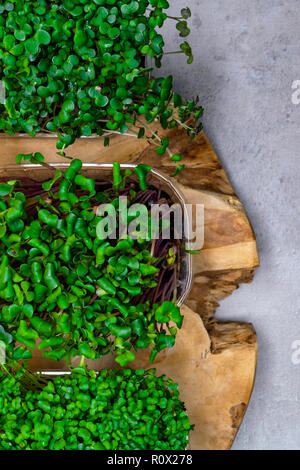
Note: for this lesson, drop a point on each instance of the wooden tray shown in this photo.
(213, 362)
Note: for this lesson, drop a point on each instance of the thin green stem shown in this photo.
(81, 363)
(155, 136)
(183, 124)
(176, 18)
(149, 129)
(5, 369)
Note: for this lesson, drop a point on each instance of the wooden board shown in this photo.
(213, 362)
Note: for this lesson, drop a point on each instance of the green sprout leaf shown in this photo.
(186, 13)
(43, 37)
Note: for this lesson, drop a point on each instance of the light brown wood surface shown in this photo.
(213, 362)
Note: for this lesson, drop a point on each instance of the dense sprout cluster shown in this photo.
(77, 67)
(64, 283)
(119, 410)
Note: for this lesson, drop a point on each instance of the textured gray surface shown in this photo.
(247, 54)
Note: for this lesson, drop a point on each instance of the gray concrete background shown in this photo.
(247, 55)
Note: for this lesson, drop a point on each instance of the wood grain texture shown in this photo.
(213, 362)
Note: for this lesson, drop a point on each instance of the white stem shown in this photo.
(108, 132)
